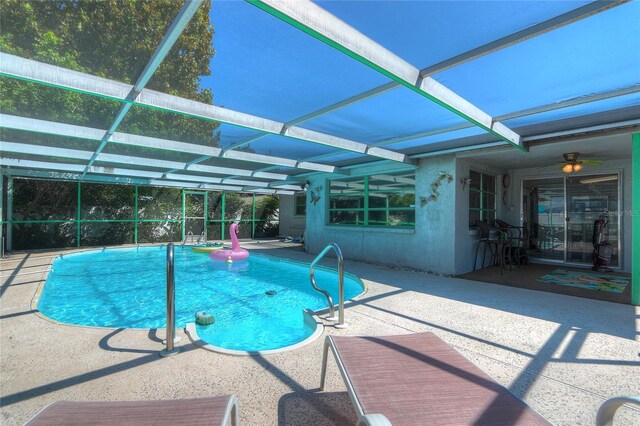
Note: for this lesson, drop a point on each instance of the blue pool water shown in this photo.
(127, 288)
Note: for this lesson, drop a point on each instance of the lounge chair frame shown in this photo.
(608, 409)
(509, 404)
(363, 419)
(57, 413)
(328, 343)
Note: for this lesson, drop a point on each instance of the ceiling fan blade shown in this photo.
(592, 163)
(559, 164)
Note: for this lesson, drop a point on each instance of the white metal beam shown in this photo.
(235, 172)
(187, 184)
(61, 129)
(178, 25)
(139, 161)
(510, 40)
(494, 46)
(26, 69)
(276, 161)
(118, 91)
(192, 178)
(49, 127)
(334, 107)
(533, 138)
(157, 100)
(23, 148)
(86, 155)
(7, 161)
(554, 23)
(246, 183)
(284, 185)
(319, 23)
(73, 131)
(581, 100)
(246, 141)
(74, 172)
(510, 116)
(184, 184)
(460, 149)
(39, 150)
(62, 78)
(46, 174)
(586, 129)
(30, 164)
(164, 144)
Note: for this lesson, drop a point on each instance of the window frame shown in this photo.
(296, 205)
(482, 192)
(365, 209)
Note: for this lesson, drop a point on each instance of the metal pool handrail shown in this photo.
(312, 278)
(171, 305)
(189, 234)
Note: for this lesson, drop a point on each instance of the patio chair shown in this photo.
(499, 246)
(218, 410)
(519, 241)
(418, 379)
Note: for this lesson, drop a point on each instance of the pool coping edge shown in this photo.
(190, 330)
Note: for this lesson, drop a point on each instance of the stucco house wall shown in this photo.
(442, 240)
(430, 246)
(290, 224)
(467, 237)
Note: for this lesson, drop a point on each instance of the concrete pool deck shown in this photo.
(562, 354)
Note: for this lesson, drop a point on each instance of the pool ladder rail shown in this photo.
(312, 278)
(184, 241)
(190, 235)
(170, 349)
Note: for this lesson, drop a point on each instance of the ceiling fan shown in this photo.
(571, 163)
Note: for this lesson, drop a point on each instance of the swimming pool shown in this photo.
(126, 288)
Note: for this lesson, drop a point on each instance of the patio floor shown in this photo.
(526, 276)
(563, 355)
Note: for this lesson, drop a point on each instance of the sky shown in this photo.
(265, 67)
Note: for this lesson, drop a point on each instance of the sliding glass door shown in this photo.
(560, 213)
(589, 198)
(544, 207)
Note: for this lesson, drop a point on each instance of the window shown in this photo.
(378, 200)
(482, 198)
(300, 205)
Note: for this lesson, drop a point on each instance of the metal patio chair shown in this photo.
(497, 242)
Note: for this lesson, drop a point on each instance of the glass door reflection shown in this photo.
(560, 213)
(588, 198)
(544, 214)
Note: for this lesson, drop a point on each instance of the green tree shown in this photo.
(267, 209)
(112, 39)
(237, 207)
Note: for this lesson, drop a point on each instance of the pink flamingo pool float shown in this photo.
(233, 254)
